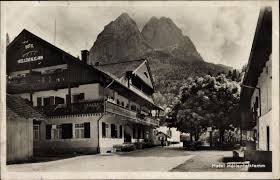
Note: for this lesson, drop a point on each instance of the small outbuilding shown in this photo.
(20, 115)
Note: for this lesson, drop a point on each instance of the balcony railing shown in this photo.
(130, 115)
(36, 82)
(142, 94)
(74, 108)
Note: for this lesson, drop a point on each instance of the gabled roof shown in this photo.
(22, 108)
(259, 55)
(40, 39)
(261, 47)
(119, 69)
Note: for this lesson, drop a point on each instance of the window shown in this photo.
(67, 131)
(138, 132)
(122, 104)
(59, 100)
(133, 107)
(118, 102)
(79, 131)
(78, 97)
(82, 130)
(36, 132)
(146, 74)
(39, 101)
(120, 136)
(267, 138)
(47, 101)
(48, 131)
(104, 129)
(56, 132)
(134, 133)
(114, 131)
(62, 131)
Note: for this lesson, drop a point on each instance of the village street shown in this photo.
(172, 158)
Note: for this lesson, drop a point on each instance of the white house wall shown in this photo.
(264, 122)
(92, 92)
(107, 143)
(69, 145)
(265, 118)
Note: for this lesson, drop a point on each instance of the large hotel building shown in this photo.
(88, 108)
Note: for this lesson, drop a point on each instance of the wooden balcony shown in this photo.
(36, 83)
(140, 93)
(130, 115)
(89, 107)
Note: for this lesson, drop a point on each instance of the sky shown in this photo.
(221, 34)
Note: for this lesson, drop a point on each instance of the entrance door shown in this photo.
(267, 137)
(127, 136)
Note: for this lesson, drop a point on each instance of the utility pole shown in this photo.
(54, 31)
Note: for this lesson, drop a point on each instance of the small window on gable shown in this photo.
(146, 74)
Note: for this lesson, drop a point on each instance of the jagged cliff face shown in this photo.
(120, 39)
(162, 34)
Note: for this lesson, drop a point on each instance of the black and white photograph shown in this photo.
(140, 89)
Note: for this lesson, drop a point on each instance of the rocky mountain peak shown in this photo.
(164, 34)
(161, 33)
(125, 19)
(120, 39)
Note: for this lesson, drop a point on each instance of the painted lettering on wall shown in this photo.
(29, 53)
(30, 59)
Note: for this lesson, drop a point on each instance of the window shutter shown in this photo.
(68, 100)
(120, 131)
(103, 129)
(67, 131)
(112, 130)
(48, 131)
(52, 100)
(87, 130)
(82, 96)
(134, 133)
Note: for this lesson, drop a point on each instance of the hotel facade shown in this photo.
(88, 109)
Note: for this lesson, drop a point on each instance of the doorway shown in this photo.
(267, 138)
(127, 134)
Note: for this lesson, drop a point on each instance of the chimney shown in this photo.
(85, 54)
